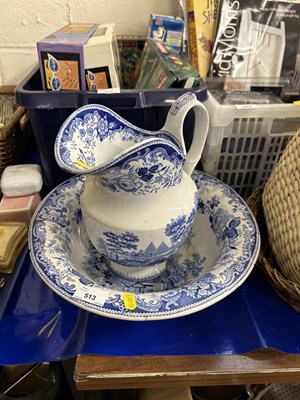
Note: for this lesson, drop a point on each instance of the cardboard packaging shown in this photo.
(167, 29)
(19, 209)
(130, 51)
(13, 237)
(162, 67)
(80, 57)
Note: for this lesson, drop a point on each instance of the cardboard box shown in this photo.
(13, 237)
(19, 209)
(130, 51)
(167, 29)
(80, 57)
(76, 30)
(101, 59)
(162, 67)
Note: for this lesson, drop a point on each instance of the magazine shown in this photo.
(256, 39)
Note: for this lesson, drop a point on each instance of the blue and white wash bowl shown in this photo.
(138, 200)
(216, 258)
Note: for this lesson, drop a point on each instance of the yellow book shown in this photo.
(202, 15)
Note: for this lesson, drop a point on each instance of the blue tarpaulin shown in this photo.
(38, 325)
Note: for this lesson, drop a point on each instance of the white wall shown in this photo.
(25, 22)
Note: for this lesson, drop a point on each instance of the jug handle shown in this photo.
(174, 125)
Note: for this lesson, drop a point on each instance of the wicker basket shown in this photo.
(281, 205)
(286, 289)
(14, 135)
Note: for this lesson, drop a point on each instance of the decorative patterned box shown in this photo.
(80, 57)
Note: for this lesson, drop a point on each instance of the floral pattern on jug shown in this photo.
(155, 167)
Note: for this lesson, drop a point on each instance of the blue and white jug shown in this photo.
(138, 201)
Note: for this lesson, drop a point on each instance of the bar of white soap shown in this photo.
(21, 180)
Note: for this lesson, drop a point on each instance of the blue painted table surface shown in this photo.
(38, 325)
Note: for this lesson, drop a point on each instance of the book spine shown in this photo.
(202, 19)
(193, 53)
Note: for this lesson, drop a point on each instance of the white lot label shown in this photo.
(245, 106)
(91, 295)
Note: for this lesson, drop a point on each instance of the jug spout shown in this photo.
(174, 125)
(91, 137)
(94, 140)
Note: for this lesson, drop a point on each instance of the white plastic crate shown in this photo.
(245, 141)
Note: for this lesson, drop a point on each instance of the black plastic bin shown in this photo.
(48, 110)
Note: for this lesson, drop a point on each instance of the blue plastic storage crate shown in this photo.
(48, 110)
